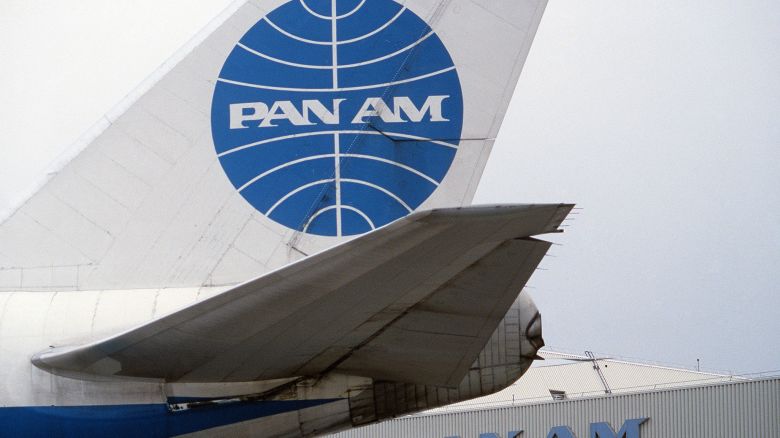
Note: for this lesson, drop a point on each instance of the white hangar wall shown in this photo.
(741, 409)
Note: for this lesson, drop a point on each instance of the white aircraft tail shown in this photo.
(285, 128)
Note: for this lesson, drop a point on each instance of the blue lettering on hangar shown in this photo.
(336, 121)
(629, 429)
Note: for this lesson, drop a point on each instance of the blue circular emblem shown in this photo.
(335, 117)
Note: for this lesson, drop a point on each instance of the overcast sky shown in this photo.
(659, 119)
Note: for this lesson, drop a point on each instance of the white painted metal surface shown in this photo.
(145, 204)
(141, 220)
(28, 322)
(413, 302)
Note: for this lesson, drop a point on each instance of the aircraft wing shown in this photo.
(414, 302)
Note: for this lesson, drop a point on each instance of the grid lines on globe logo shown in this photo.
(336, 117)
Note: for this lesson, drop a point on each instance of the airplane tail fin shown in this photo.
(284, 128)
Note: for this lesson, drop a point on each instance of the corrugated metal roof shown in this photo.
(744, 409)
(577, 377)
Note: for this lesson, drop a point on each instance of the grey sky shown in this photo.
(658, 118)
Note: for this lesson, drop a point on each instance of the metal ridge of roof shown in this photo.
(633, 361)
(497, 405)
(574, 379)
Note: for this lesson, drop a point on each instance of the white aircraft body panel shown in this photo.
(336, 400)
(272, 235)
(413, 302)
(145, 203)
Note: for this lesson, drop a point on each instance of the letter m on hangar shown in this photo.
(630, 429)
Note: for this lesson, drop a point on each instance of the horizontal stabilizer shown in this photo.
(415, 301)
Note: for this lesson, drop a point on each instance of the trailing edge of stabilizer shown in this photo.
(424, 296)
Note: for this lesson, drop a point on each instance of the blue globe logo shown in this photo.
(336, 117)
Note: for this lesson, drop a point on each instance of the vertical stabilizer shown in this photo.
(283, 129)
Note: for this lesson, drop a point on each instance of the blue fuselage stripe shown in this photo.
(153, 420)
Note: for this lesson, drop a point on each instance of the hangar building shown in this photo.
(577, 396)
